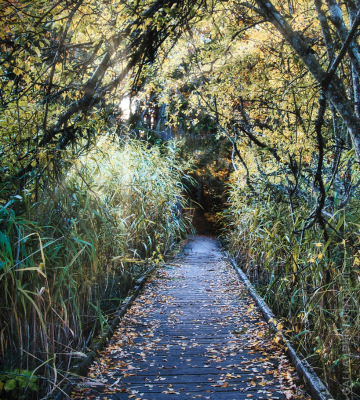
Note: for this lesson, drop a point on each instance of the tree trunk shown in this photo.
(335, 90)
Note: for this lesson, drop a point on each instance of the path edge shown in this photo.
(317, 389)
(81, 370)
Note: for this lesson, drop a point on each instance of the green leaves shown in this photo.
(37, 50)
(10, 385)
(73, 254)
(17, 380)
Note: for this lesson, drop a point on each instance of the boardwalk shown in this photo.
(193, 334)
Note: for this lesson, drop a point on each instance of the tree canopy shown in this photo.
(253, 67)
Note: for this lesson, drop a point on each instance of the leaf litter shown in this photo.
(181, 340)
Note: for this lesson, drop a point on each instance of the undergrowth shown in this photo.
(301, 274)
(67, 260)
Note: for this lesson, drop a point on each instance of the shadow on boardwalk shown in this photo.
(193, 333)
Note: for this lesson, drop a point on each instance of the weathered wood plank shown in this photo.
(193, 333)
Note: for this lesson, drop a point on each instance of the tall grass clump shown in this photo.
(301, 272)
(67, 260)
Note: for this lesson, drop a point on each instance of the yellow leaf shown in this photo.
(320, 256)
(318, 244)
(250, 308)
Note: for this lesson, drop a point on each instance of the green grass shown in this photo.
(301, 275)
(68, 260)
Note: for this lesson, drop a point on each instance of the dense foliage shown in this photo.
(68, 260)
(278, 81)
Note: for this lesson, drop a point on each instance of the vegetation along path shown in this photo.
(193, 333)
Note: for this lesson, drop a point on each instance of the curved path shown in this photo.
(193, 333)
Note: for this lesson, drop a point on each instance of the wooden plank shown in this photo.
(191, 334)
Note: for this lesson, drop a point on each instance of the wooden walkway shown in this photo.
(193, 333)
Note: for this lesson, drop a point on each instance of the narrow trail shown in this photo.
(193, 333)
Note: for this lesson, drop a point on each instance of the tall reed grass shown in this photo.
(301, 274)
(67, 261)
